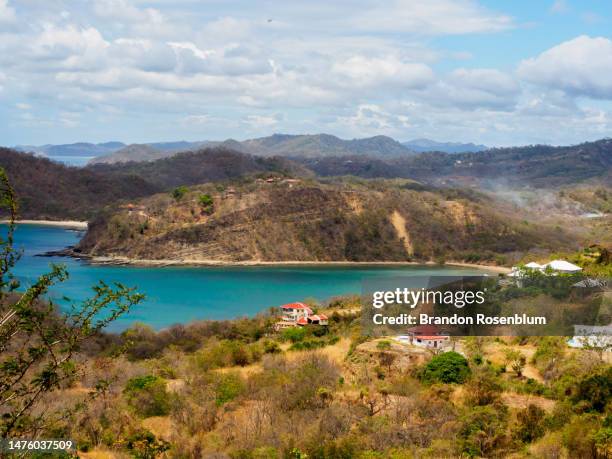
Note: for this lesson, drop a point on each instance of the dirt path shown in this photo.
(399, 223)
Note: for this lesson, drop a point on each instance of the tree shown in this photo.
(595, 389)
(483, 388)
(449, 367)
(598, 342)
(206, 203)
(530, 425)
(38, 344)
(516, 360)
(387, 359)
(179, 192)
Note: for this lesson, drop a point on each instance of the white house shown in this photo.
(556, 266)
(299, 315)
(562, 266)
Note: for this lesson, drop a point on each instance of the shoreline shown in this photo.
(70, 224)
(100, 260)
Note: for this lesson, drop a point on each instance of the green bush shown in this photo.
(595, 389)
(228, 386)
(206, 203)
(148, 396)
(144, 445)
(179, 192)
(271, 347)
(294, 334)
(482, 430)
(449, 367)
(530, 424)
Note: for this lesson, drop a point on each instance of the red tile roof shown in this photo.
(297, 306)
(302, 321)
(294, 306)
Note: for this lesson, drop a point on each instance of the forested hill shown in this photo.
(49, 190)
(536, 166)
(206, 165)
(281, 145)
(292, 220)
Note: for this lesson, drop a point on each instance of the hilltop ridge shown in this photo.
(287, 219)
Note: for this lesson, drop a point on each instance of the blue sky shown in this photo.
(499, 73)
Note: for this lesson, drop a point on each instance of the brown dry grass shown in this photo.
(160, 426)
(495, 352)
(521, 401)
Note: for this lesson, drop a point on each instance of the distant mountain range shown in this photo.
(424, 145)
(292, 146)
(48, 189)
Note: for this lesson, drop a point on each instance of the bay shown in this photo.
(182, 294)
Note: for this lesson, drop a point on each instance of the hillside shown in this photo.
(191, 168)
(536, 166)
(302, 146)
(133, 152)
(148, 152)
(322, 145)
(423, 145)
(49, 190)
(290, 220)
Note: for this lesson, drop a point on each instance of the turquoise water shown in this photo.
(182, 294)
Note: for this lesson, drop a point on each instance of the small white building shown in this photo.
(556, 266)
(592, 337)
(562, 266)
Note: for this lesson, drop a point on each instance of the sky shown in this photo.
(498, 73)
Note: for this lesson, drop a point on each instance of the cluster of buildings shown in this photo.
(555, 266)
(299, 315)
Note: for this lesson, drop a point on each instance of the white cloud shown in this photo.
(7, 14)
(580, 67)
(262, 121)
(374, 71)
(249, 68)
(431, 17)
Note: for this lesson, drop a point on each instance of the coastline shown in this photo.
(100, 260)
(70, 224)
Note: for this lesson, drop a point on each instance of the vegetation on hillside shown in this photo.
(238, 389)
(53, 191)
(48, 190)
(307, 220)
(39, 346)
(539, 166)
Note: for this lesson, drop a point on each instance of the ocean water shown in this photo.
(79, 161)
(182, 294)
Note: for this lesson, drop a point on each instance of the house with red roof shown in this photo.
(299, 315)
(428, 336)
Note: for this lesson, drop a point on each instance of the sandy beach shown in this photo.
(72, 224)
(167, 262)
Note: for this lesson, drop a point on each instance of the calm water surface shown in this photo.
(182, 294)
